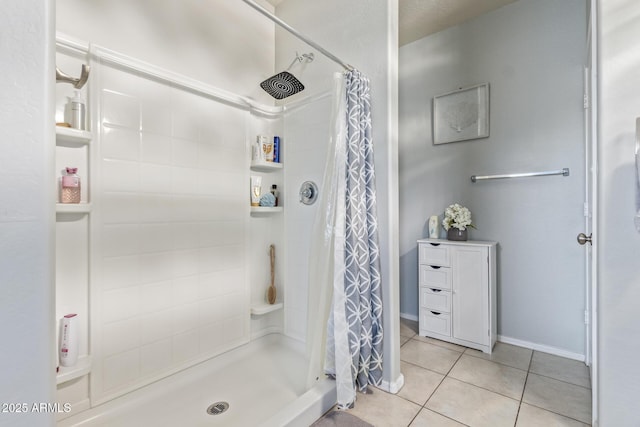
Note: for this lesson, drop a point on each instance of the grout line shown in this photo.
(524, 387)
(440, 345)
(495, 361)
(559, 380)
(414, 417)
(557, 413)
(500, 363)
(422, 367)
(486, 389)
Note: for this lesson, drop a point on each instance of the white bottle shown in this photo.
(69, 340)
(75, 111)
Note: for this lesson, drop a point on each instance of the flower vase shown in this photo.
(457, 234)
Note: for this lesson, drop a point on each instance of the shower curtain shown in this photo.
(345, 267)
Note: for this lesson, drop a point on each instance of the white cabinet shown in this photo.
(457, 292)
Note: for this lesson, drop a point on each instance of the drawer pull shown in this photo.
(436, 290)
(435, 267)
(434, 244)
(435, 312)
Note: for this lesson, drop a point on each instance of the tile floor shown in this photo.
(449, 385)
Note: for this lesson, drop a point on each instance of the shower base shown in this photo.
(262, 382)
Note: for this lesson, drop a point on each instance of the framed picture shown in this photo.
(461, 115)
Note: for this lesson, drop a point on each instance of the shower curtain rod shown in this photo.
(293, 31)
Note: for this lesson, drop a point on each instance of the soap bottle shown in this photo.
(69, 340)
(75, 111)
(276, 149)
(275, 192)
(70, 186)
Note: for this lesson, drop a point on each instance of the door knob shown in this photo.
(583, 238)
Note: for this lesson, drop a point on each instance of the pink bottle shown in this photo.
(70, 187)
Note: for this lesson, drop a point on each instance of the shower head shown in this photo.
(282, 85)
(285, 84)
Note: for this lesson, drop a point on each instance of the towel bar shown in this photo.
(563, 172)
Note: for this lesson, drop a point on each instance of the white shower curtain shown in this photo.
(345, 265)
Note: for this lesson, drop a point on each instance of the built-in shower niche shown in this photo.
(266, 227)
(73, 148)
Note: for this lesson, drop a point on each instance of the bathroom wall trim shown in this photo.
(543, 348)
(69, 45)
(393, 387)
(185, 83)
(78, 48)
(409, 316)
(521, 343)
(296, 105)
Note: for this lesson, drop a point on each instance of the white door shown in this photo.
(470, 294)
(589, 237)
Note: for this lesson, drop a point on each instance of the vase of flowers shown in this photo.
(456, 221)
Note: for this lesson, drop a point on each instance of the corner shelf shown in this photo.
(70, 136)
(262, 309)
(73, 207)
(263, 210)
(81, 368)
(265, 166)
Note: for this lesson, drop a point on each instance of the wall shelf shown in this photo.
(73, 207)
(265, 166)
(263, 210)
(81, 368)
(262, 309)
(70, 136)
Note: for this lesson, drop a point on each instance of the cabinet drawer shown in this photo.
(434, 321)
(435, 299)
(432, 276)
(434, 254)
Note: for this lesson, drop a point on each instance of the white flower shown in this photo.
(457, 216)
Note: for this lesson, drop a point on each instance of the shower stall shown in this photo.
(165, 262)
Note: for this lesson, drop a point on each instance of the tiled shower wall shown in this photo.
(307, 129)
(169, 231)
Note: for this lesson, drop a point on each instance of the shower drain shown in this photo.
(217, 408)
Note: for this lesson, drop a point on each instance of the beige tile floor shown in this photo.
(449, 385)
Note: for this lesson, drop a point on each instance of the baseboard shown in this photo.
(392, 387)
(409, 316)
(543, 348)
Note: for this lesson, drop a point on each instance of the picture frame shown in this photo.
(461, 115)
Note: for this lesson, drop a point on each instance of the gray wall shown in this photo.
(532, 54)
(619, 270)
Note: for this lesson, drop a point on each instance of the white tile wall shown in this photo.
(185, 345)
(121, 336)
(307, 136)
(170, 231)
(155, 357)
(121, 368)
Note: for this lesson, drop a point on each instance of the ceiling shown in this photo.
(419, 18)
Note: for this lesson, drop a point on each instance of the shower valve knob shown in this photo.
(308, 192)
